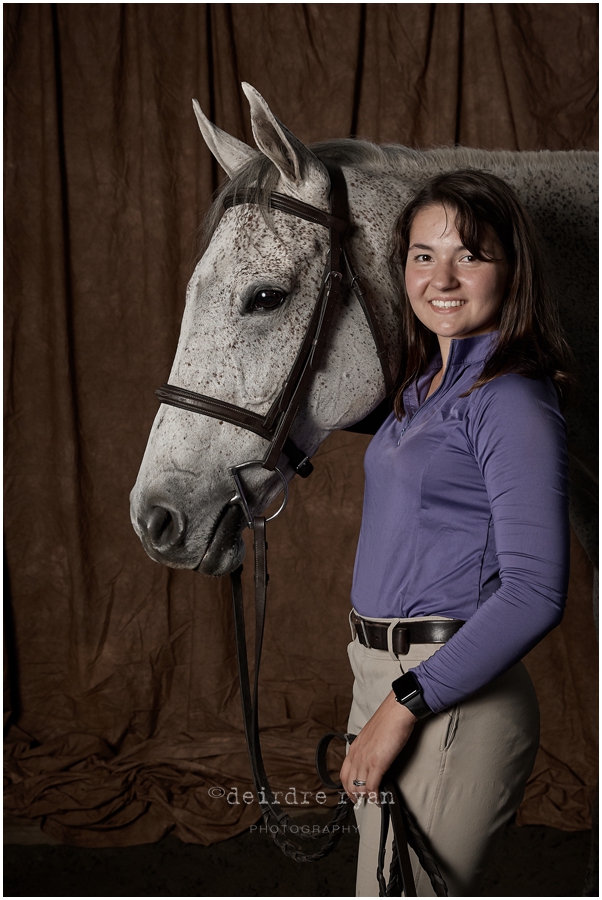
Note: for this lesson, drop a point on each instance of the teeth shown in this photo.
(447, 304)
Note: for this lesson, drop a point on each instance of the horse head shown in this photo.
(248, 306)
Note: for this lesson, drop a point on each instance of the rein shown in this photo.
(283, 830)
(275, 428)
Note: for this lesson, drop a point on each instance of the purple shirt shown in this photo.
(466, 515)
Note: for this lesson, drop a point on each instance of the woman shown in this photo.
(465, 520)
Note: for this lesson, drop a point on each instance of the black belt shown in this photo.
(374, 634)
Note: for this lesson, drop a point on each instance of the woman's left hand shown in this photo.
(381, 739)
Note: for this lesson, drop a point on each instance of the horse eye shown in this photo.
(269, 299)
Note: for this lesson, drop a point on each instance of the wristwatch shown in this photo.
(408, 692)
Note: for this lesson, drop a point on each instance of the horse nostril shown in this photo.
(165, 527)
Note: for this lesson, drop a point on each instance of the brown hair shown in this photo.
(531, 341)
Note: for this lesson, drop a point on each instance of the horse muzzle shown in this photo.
(169, 537)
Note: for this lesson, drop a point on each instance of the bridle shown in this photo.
(275, 427)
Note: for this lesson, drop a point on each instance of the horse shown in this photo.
(250, 301)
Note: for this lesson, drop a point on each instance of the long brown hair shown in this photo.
(531, 341)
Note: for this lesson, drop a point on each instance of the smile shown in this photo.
(446, 304)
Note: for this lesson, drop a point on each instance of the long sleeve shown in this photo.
(518, 439)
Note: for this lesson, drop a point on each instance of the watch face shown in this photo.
(405, 688)
(410, 696)
(406, 683)
(409, 693)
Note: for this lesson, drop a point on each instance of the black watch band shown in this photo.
(408, 692)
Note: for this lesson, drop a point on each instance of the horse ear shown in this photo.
(288, 154)
(230, 153)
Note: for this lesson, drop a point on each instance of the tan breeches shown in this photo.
(462, 774)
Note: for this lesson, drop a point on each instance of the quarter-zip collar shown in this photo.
(463, 352)
(470, 350)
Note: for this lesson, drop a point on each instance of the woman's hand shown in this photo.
(376, 746)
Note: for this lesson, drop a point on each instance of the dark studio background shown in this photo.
(121, 700)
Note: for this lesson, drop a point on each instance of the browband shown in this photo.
(294, 207)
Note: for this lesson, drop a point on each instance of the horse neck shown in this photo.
(375, 201)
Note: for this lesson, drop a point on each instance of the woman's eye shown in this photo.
(422, 257)
(268, 299)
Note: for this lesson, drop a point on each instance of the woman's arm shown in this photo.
(519, 442)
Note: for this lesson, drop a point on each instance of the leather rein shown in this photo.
(275, 428)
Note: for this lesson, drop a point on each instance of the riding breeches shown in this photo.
(462, 773)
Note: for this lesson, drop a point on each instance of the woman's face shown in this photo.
(453, 293)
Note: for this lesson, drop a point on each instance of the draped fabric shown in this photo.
(123, 716)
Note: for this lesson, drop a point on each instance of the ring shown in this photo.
(359, 783)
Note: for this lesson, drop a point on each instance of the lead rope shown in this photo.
(276, 819)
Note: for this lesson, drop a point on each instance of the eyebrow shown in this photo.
(426, 247)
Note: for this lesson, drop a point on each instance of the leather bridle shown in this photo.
(275, 428)
(276, 425)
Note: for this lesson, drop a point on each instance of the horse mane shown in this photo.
(258, 178)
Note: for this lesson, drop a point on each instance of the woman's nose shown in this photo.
(444, 277)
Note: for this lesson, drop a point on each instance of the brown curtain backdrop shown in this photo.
(123, 717)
